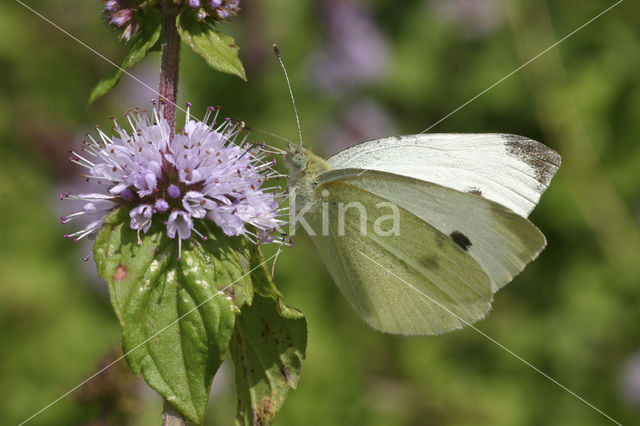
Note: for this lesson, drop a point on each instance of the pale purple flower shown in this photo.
(198, 175)
(196, 204)
(179, 223)
(141, 217)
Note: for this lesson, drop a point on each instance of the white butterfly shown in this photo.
(461, 233)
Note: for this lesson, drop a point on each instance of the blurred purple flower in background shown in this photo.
(472, 18)
(630, 382)
(362, 121)
(199, 174)
(356, 52)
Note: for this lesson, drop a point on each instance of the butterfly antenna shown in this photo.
(255, 129)
(293, 101)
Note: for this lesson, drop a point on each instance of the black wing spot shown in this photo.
(475, 191)
(460, 239)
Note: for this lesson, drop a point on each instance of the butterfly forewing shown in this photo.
(508, 169)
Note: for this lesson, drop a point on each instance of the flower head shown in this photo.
(125, 16)
(200, 174)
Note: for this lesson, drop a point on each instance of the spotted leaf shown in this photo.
(177, 316)
(267, 348)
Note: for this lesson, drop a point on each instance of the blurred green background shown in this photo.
(359, 70)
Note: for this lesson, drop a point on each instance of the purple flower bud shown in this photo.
(173, 192)
(194, 3)
(161, 205)
(121, 17)
(112, 6)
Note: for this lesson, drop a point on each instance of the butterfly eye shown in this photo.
(299, 161)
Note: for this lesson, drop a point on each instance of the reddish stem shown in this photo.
(170, 64)
(168, 90)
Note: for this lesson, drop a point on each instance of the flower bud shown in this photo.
(124, 16)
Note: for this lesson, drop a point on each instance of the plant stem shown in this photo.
(168, 90)
(170, 63)
(170, 417)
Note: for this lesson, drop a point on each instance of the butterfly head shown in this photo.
(296, 158)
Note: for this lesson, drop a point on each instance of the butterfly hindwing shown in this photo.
(508, 169)
(501, 241)
(419, 281)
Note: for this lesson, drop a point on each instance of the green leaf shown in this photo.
(218, 50)
(145, 41)
(177, 316)
(264, 285)
(267, 349)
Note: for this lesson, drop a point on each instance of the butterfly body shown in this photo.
(304, 169)
(419, 232)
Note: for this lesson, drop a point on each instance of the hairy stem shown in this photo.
(170, 63)
(168, 90)
(171, 417)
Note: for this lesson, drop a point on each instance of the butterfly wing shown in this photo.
(413, 281)
(511, 170)
(501, 241)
